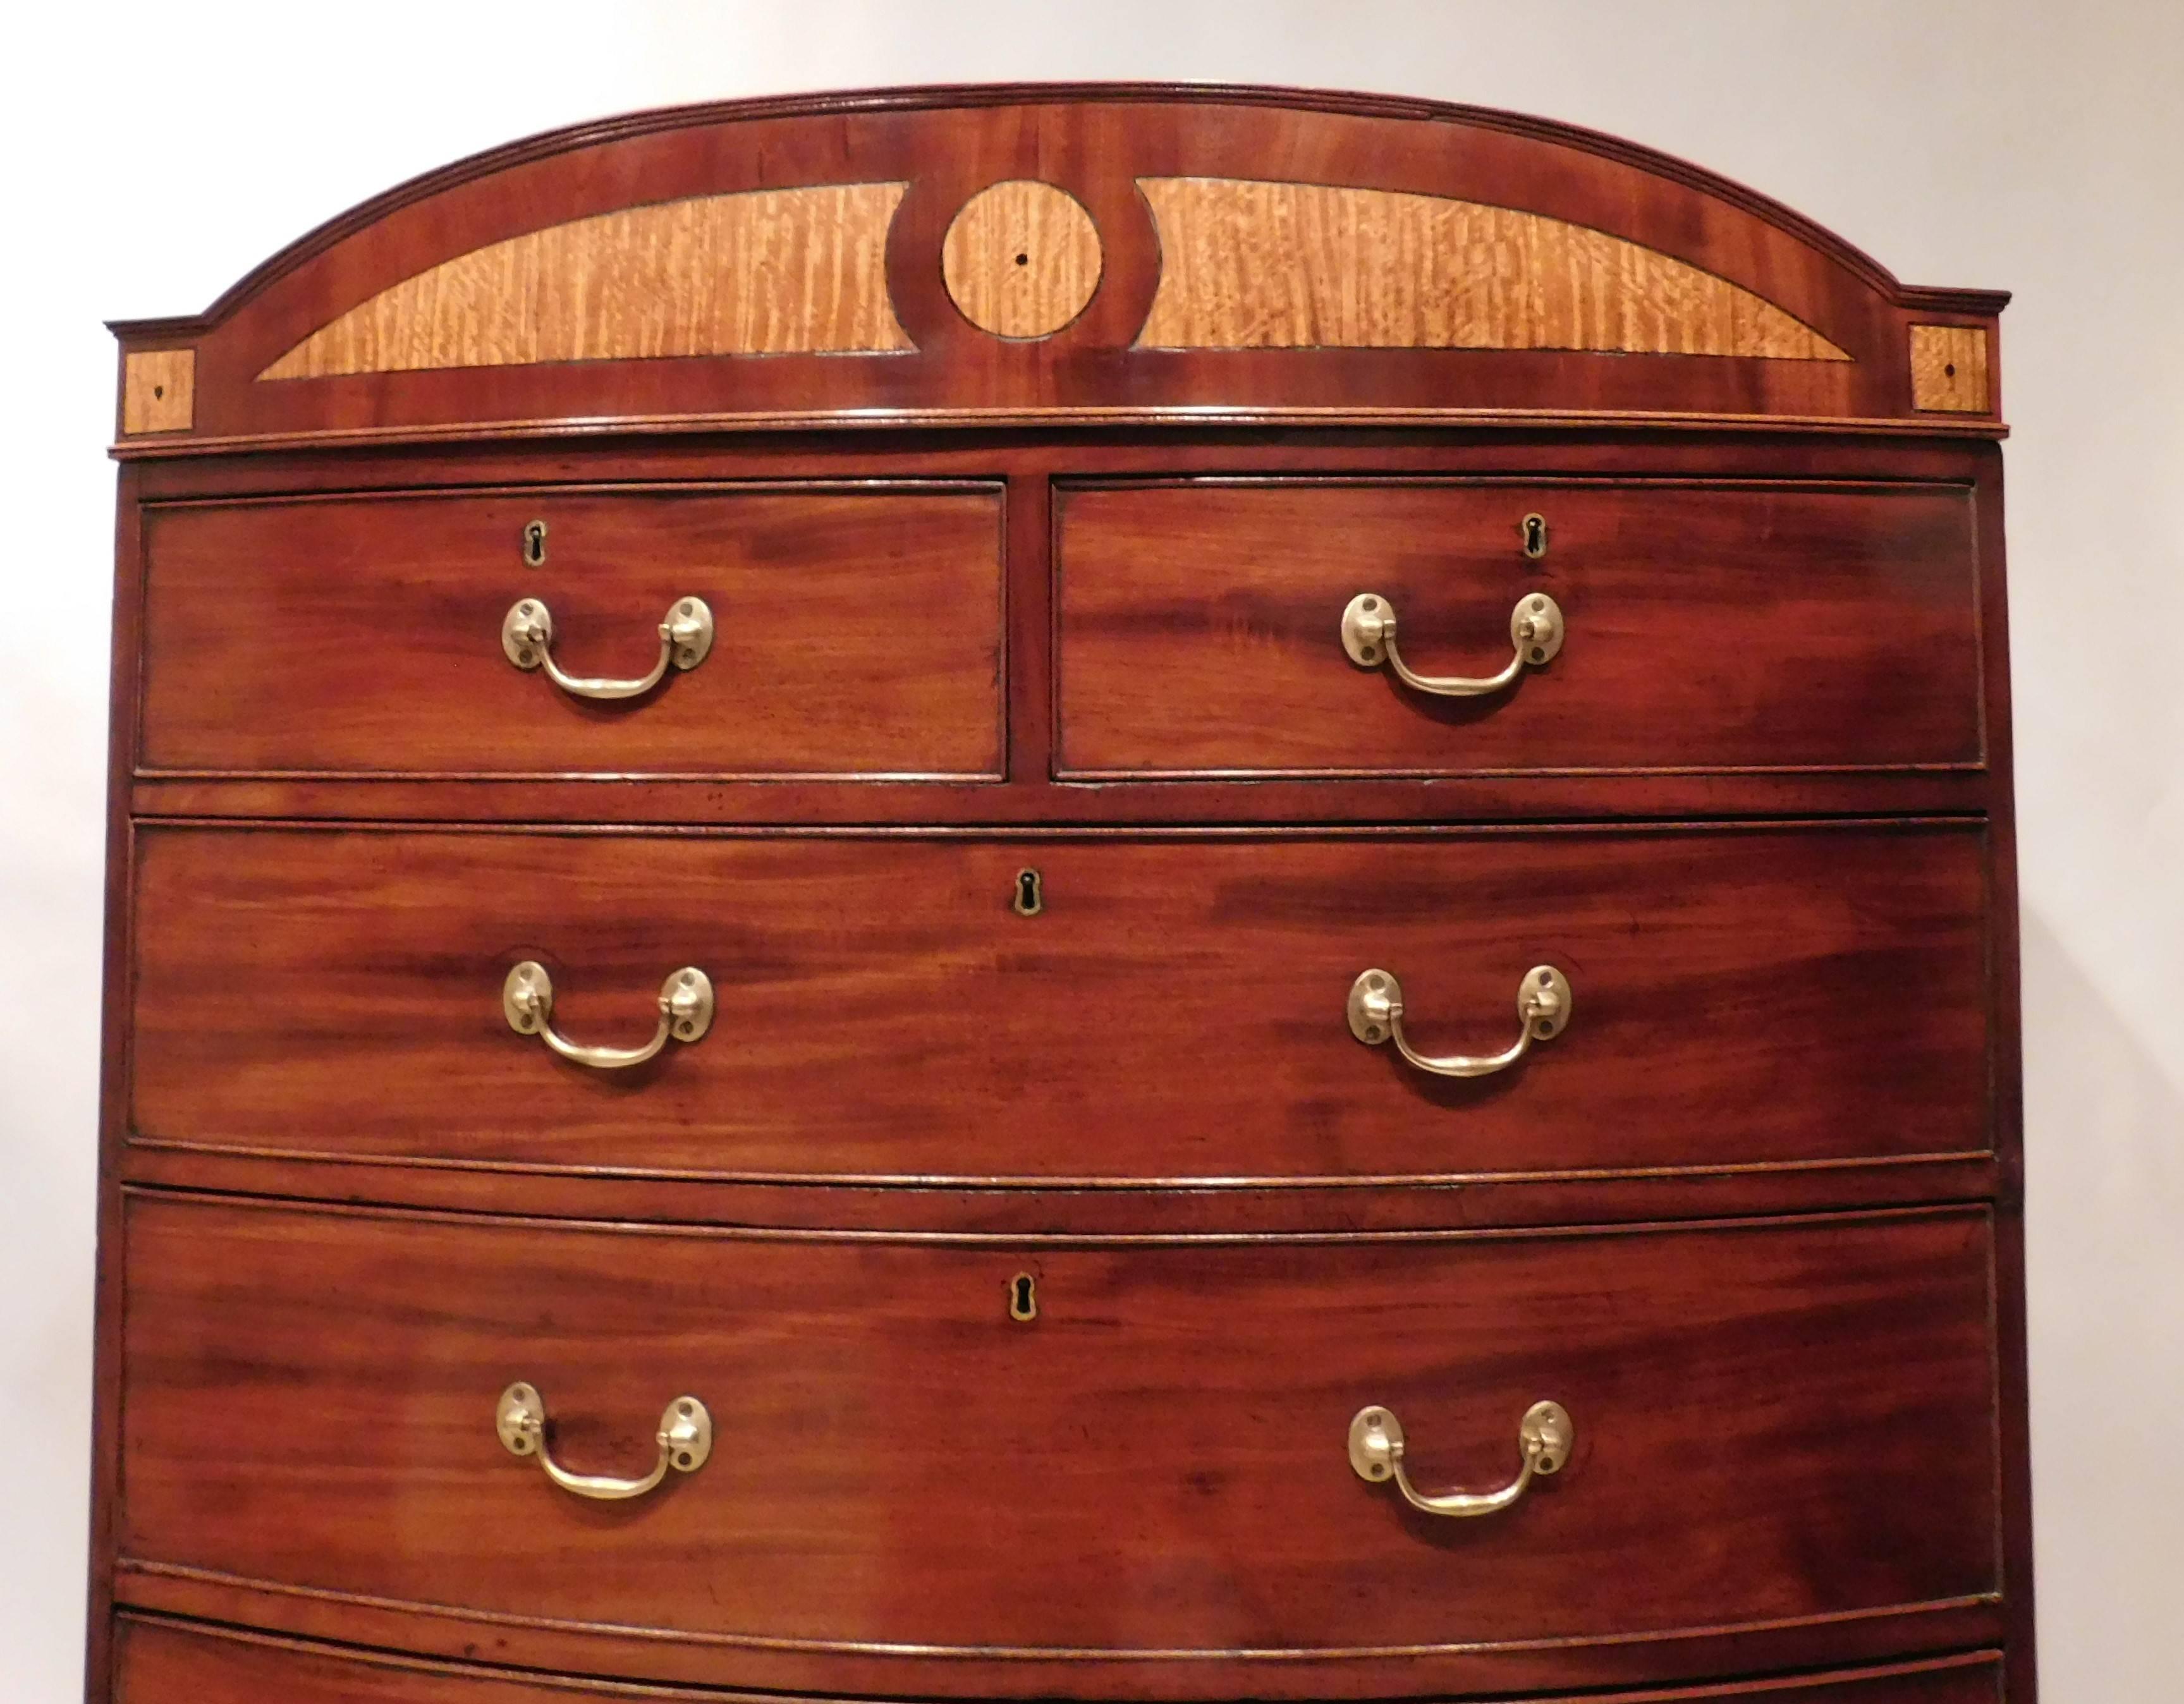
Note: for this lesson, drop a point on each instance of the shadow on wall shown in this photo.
(2102, 1129)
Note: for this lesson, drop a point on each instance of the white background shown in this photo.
(153, 157)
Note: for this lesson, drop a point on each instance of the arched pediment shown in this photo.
(1093, 254)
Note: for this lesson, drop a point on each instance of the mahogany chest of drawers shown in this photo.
(1091, 893)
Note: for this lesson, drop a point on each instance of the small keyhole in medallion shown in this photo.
(1533, 529)
(1023, 1297)
(534, 544)
(1028, 902)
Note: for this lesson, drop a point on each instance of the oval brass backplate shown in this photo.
(1376, 1001)
(1375, 1435)
(689, 631)
(1546, 1425)
(521, 1419)
(686, 1433)
(1365, 619)
(1544, 1001)
(526, 631)
(1535, 628)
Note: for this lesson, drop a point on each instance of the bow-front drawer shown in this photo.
(811, 1462)
(761, 632)
(1283, 1006)
(162, 1663)
(1440, 627)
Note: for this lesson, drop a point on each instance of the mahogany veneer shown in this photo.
(883, 1013)
(1032, 1218)
(1812, 628)
(859, 633)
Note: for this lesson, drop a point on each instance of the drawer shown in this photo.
(1704, 627)
(1178, 1008)
(162, 1663)
(1772, 1427)
(854, 632)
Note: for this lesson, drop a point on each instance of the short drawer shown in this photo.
(1179, 1009)
(1703, 627)
(162, 1662)
(1769, 1429)
(852, 633)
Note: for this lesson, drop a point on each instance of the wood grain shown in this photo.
(310, 1400)
(1254, 266)
(1754, 273)
(158, 389)
(1948, 369)
(768, 272)
(1068, 602)
(162, 1662)
(1175, 1013)
(1021, 259)
(858, 633)
(1708, 627)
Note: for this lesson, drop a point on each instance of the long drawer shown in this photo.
(1701, 627)
(1178, 1008)
(163, 1664)
(1121, 1451)
(853, 631)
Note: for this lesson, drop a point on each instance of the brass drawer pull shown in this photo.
(685, 1013)
(1543, 1008)
(686, 1440)
(1544, 1438)
(1368, 635)
(685, 637)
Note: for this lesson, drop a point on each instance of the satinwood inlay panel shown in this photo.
(768, 272)
(1021, 259)
(1248, 265)
(158, 391)
(1948, 369)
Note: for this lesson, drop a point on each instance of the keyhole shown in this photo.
(1023, 1297)
(534, 543)
(1533, 530)
(1028, 902)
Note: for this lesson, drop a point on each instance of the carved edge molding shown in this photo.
(1250, 264)
(758, 272)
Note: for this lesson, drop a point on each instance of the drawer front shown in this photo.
(1706, 627)
(161, 1663)
(1772, 1425)
(854, 632)
(1177, 1009)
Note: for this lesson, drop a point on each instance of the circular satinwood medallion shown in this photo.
(1021, 259)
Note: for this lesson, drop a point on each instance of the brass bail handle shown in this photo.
(685, 1013)
(685, 1439)
(686, 636)
(1368, 635)
(1543, 1012)
(1544, 1438)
